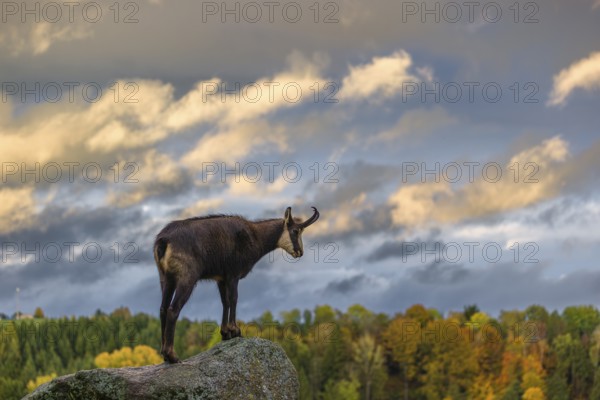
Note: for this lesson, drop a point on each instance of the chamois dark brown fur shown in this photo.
(223, 248)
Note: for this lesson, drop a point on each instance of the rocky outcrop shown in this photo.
(236, 369)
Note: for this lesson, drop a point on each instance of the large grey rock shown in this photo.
(236, 369)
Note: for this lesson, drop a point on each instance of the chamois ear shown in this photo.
(287, 218)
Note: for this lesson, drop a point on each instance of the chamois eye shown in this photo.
(296, 231)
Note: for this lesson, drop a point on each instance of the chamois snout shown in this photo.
(298, 253)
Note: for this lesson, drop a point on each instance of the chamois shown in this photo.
(223, 248)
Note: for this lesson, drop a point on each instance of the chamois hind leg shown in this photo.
(225, 333)
(167, 285)
(233, 297)
(183, 292)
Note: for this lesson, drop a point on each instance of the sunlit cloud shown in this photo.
(383, 77)
(17, 206)
(583, 74)
(542, 171)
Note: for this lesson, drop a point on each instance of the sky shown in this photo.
(452, 149)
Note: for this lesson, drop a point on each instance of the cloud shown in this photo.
(583, 74)
(201, 207)
(234, 144)
(154, 175)
(83, 131)
(394, 249)
(439, 202)
(176, 126)
(16, 208)
(416, 122)
(346, 207)
(56, 223)
(348, 285)
(415, 204)
(108, 131)
(342, 219)
(492, 288)
(381, 78)
(439, 273)
(209, 101)
(36, 38)
(99, 228)
(260, 189)
(152, 115)
(35, 28)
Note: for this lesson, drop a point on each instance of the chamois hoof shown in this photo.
(226, 335)
(236, 333)
(171, 358)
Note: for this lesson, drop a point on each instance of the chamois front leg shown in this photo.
(225, 334)
(233, 297)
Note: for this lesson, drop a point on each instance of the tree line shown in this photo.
(355, 354)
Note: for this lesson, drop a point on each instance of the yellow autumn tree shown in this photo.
(402, 338)
(533, 374)
(33, 384)
(534, 393)
(126, 357)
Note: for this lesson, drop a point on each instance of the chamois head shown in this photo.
(291, 237)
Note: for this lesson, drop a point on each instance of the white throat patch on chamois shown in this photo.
(285, 242)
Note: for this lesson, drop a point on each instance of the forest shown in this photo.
(417, 354)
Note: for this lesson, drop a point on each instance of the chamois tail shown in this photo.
(160, 248)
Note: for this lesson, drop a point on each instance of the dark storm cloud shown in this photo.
(165, 33)
(104, 225)
(371, 221)
(438, 273)
(554, 214)
(493, 288)
(62, 223)
(443, 286)
(354, 179)
(112, 238)
(573, 208)
(405, 249)
(392, 249)
(258, 292)
(348, 285)
(401, 249)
